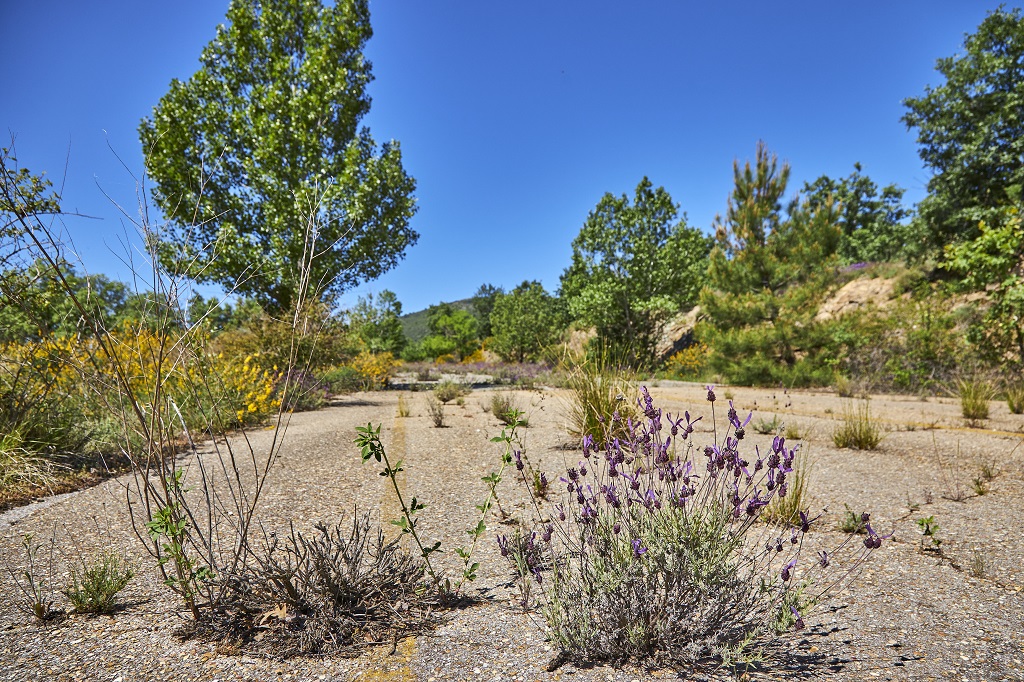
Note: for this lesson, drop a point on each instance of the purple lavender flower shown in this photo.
(519, 459)
(638, 549)
(711, 393)
(823, 559)
(787, 571)
(503, 545)
(798, 624)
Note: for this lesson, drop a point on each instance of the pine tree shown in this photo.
(768, 272)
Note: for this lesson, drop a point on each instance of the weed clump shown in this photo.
(95, 586)
(974, 396)
(857, 430)
(598, 403)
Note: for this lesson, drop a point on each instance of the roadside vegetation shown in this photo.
(98, 377)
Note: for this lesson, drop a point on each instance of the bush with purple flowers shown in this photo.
(658, 550)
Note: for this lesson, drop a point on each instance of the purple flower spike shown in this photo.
(638, 549)
(823, 559)
(798, 624)
(787, 571)
(711, 393)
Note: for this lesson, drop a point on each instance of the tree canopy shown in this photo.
(873, 222)
(634, 265)
(525, 321)
(270, 185)
(971, 129)
(375, 320)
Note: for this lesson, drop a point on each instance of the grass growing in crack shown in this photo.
(94, 586)
(1015, 397)
(974, 395)
(403, 407)
(598, 389)
(435, 408)
(785, 511)
(857, 430)
(766, 427)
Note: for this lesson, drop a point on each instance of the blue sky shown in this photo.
(514, 117)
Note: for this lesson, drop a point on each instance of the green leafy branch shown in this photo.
(469, 567)
(368, 440)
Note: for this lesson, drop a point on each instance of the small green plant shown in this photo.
(368, 440)
(930, 542)
(403, 407)
(34, 582)
(974, 396)
(857, 430)
(94, 587)
(507, 437)
(854, 523)
(447, 391)
(1015, 397)
(976, 567)
(793, 432)
(980, 485)
(435, 408)
(766, 427)
(727, 394)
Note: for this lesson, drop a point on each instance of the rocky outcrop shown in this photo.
(860, 293)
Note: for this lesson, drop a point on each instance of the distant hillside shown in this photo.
(415, 324)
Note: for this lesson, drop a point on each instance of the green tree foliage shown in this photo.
(769, 269)
(634, 265)
(994, 262)
(874, 223)
(483, 304)
(452, 330)
(971, 130)
(374, 320)
(260, 161)
(35, 306)
(525, 322)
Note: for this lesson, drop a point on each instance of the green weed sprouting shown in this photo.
(655, 550)
(765, 427)
(854, 523)
(95, 586)
(368, 440)
(598, 389)
(930, 542)
(35, 581)
(857, 429)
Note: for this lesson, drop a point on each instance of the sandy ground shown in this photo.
(910, 615)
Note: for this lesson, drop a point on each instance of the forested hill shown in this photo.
(415, 324)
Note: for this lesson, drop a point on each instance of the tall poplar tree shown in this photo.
(271, 186)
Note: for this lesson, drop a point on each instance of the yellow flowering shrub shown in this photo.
(688, 362)
(375, 369)
(475, 356)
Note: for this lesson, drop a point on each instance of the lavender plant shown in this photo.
(656, 550)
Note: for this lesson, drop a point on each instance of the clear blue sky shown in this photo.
(514, 117)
